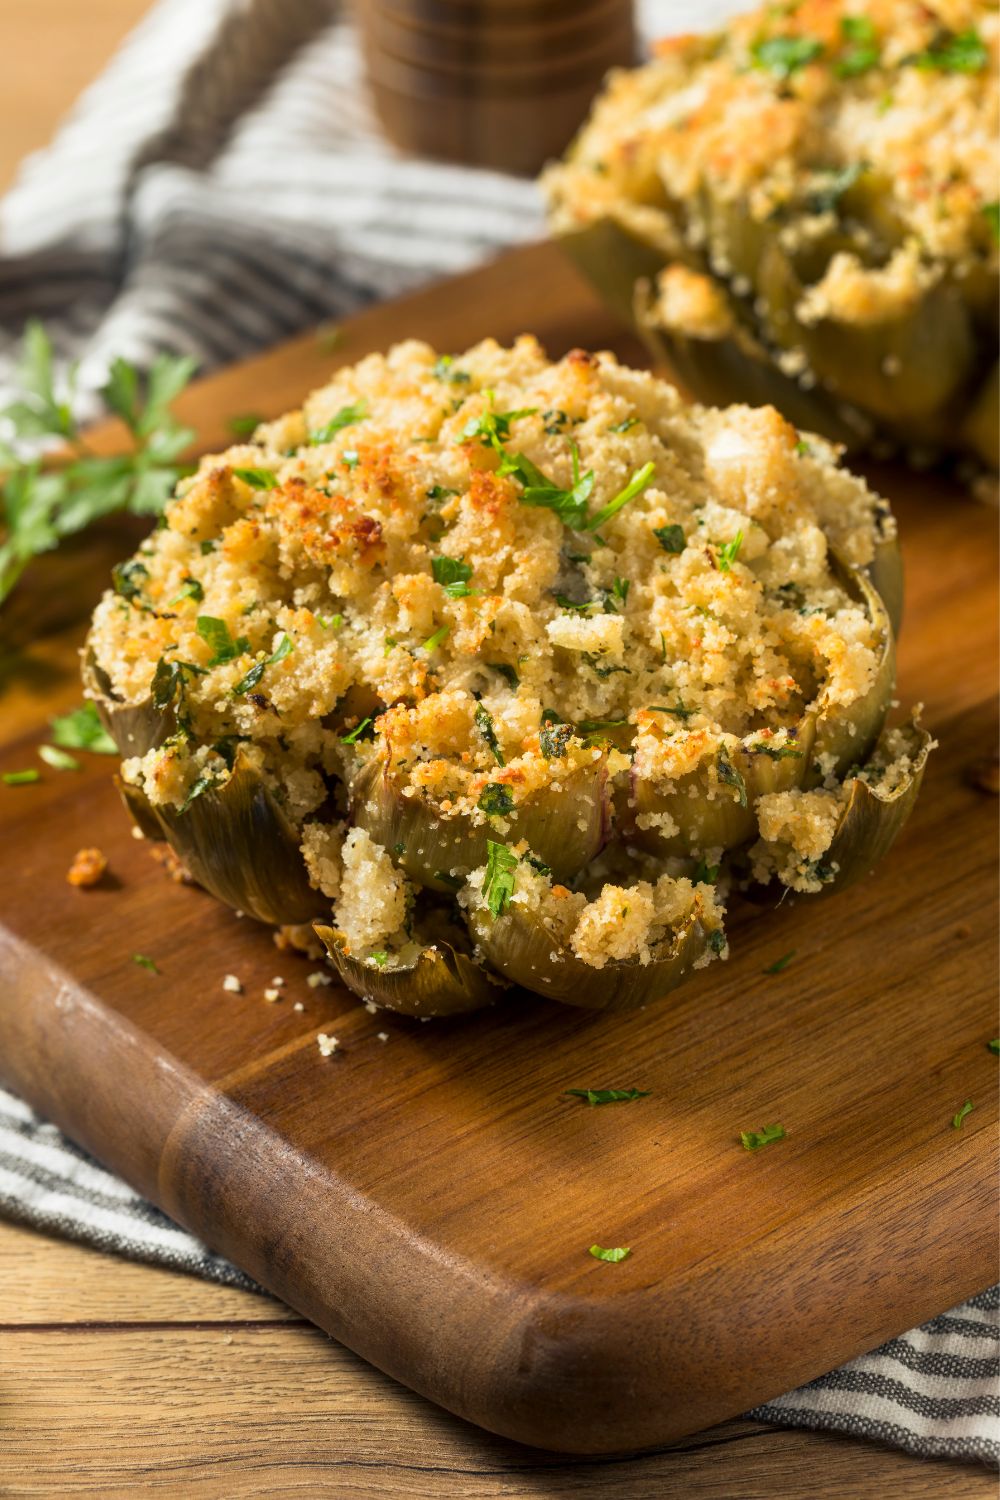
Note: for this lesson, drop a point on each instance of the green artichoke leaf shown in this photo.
(136, 728)
(435, 850)
(519, 944)
(442, 982)
(879, 804)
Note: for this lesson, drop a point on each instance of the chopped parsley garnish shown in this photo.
(145, 963)
(215, 634)
(129, 579)
(574, 606)
(679, 709)
(496, 801)
(206, 548)
(620, 1252)
(959, 1120)
(493, 427)
(780, 963)
(994, 1045)
(363, 731)
(190, 589)
(729, 552)
(437, 492)
(728, 774)
(784, 55)
(445, 370)
(485, 725)
(498, 887)
(453, 882)
(954, 52)
(21, 778)
(640, 479)
(804, 450)
(244, 426)
(168, 681)
(776, 752)
(753, 1140)
(553, 740)
(345, 417)
(538, 490)
(554, 422)
(433, 641)
(592, 660)
(380, 959)
(624, 426)
(991, 213)
(670, 538)
(859, 53)
(609, 1096)
(82, 730)
(507, 673)
(705, 874)
(824, 199)
(453, 574)
(717, 940)
(249, 682)
(59, 760)
(206, 782)
(258, 479)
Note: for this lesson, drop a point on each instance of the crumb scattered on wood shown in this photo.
(299, 939)
(175, 868)
(232, 985)
(271, 995)
(318, 980)
(298, 1005)
(383, 1036)
(87, 868)
(327, 1044)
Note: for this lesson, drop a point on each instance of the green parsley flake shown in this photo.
(347, 416)
(728, 774)
(59, 760)
(445, 370)
(780, 963)
(624, 426)
(82, 730)
(215, 634)
(498, 887)
(21, 778)
(145, 963)
(860, 52)
(449, 571)
(753, 1140)
(433, 641)
(619, 1253)
(670, 538)
(245, 425)
(954, 52)
(706, 874)
(785, 55)
(495, 800)
(486, 727)
(129, 580)
(363, 731)
(959, 1120)
(249, 682)
(190, 589)
(640, 479)
(991, 213)
(258, 479)
(609, 1096)
(729, 552)
(994, 1046)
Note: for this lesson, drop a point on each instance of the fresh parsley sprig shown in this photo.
(40, 506)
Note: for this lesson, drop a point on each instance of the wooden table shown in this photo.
(115, 1377)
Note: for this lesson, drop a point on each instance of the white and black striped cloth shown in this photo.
(219, 188)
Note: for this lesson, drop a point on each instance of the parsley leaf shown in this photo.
(190, 589)
(39, 508)
(495, 800)
(860, 52)
(169, 679)
(498, 887)
(640, 479)
(21, 778)
(670, 538)
(729, 552)
(624, 426)
(753, 1140)
(249, 682)
(508, 674)
(434, 641)
(258, 479)
(450, 570)
(727, 773)
(215, 634)
(485, 725)
(145, 963)
(991, 213)
(82, 730)
(959, 1120)
(553, 740)
(345, 417)
(619, 1253)
(609, 1096)
(59, 760)
(705, 874)
(363, 731)
(784, 55)
(679, 710)
(994, 1045)
(445, 370)
(954, 52)
(129, 580)
(780, 963)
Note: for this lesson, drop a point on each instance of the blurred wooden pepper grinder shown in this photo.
(492, 83)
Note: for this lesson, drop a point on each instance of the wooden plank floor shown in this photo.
(117, 1378)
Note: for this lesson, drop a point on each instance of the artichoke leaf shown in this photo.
(875, 813)
(519, 944)
(136, 728)
(434, 849)
(442, 982)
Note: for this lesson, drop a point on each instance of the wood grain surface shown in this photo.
(430, 1199)
(117, 1379)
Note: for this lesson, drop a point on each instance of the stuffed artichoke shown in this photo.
(803, 209)
(496, 670)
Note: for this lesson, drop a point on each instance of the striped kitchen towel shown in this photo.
(219, 188)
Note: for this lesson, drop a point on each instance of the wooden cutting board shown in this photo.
(429, 1198)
